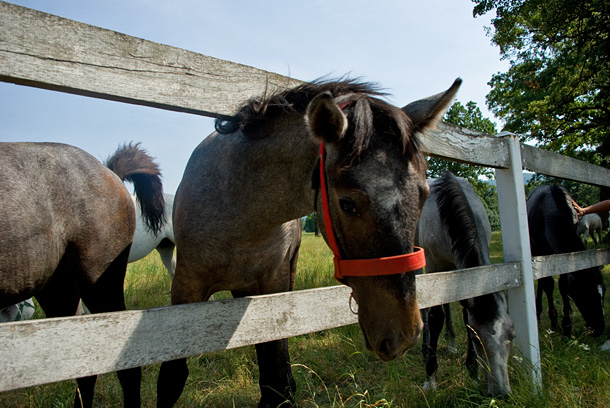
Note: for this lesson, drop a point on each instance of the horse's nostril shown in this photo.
(386, 350)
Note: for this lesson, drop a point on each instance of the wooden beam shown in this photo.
(552, 265)
(466, 146)
(50, 52)
(557, 165)
(64, 348)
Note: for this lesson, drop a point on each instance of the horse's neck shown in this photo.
(275, 175)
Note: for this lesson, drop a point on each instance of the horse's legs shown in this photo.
(60, 298)
(106, 295)
(188, 286)
(585, 238)
(166, 251)
(566, 321)
(276, 382)
(435, 321)
(539, 293)
(593, 238)
(450, 332)
(547, 285)
(471, 355)
(275, 379)
(171, 381)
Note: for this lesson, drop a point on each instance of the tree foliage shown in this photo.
(556, 90)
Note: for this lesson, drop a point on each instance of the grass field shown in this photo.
(333, 368)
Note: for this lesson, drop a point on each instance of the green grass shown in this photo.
(333, 368)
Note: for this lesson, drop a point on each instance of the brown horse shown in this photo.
(236, 210)
(66, 226)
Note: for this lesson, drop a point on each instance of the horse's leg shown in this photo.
(166, 252)
(276, 382)
(450, 332)
(60, 298)
(471, 355)
(547, 285)
(436, 319)
(549, 288)
(171, 381)
(425, 344)
(188, 286)
(585, 239)
(566, 321)
(105, 294)
(539, 293)
(275, 379)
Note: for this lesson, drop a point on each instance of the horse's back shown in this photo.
(54, 197)
(433, 226)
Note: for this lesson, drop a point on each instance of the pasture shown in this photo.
(333, 368)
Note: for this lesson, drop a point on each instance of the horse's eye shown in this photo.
(349, 206)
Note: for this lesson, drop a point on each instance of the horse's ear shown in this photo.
(325, 119)
(427, 112)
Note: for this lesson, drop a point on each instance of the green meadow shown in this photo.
(334, 369)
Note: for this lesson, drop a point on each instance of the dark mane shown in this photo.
(268, 107)
(458, 218)
(365, 111)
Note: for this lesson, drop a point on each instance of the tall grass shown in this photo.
(333, 368)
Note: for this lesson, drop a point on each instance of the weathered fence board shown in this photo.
(464, 145)
(50, 52)
(556, 165)
(574, 261)
(96, 344)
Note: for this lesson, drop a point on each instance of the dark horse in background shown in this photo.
(236, 210)
(454, 231)
(552, 224)
(66, 226)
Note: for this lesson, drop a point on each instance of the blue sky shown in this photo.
(411, 48)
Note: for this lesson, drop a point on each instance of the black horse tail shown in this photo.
(458, 218)
(131, 162)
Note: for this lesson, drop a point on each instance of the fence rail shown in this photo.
(50, 52)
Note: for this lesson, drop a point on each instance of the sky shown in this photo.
(412, 49)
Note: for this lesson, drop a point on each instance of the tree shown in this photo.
(310, 224)
(556, 90)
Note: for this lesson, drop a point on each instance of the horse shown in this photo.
(552, 224)
(245, 187)
(589, 224)
(145, 240)
(66, 226)
(455, 232)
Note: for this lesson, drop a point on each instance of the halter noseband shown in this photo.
(363, 267)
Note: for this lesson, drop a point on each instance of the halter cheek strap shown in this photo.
(363, 267)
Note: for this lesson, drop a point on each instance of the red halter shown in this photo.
(364, 267)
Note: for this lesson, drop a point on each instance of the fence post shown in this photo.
(516, 246)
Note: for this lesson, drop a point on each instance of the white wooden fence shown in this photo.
(46, 51)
